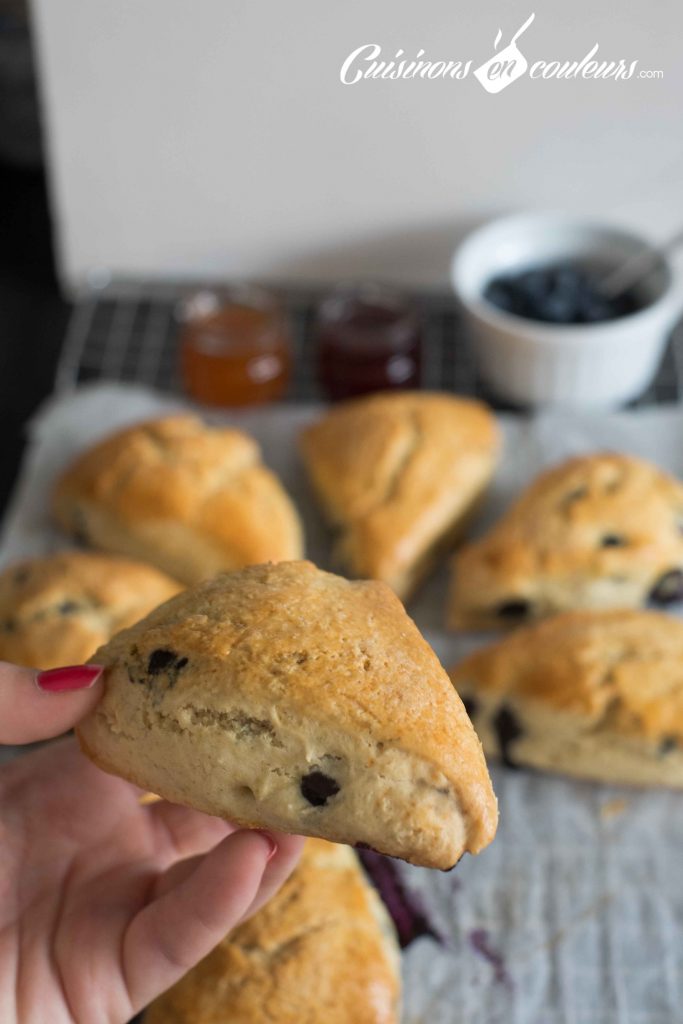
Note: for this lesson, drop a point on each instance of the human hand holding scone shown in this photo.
(106, 903)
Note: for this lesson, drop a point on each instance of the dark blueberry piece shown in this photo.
(668, 588)
(160, 660)
(317, 788)
(536, 285)
(515, 608)
(180, 663)
(594, 310)
(569, 281)
(508, 729)
(498, 294)
(470, 706)
(612, 540)
(481, 944)
(67, 608)
(556, 309)
(668, 744)
(563, 293)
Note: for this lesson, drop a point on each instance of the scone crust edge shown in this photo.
(163, 487)
(406, 705)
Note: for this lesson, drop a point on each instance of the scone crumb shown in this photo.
(613, 808)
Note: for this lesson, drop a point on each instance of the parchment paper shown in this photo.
(575, 914)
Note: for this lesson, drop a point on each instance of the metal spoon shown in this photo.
(636, 267)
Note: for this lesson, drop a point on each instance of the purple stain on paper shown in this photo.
(480, 940)
(406, 910)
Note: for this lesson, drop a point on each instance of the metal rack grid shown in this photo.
(127, 331)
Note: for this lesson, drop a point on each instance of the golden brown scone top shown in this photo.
(386, 466)
(596, 531)
(58, 609)
(345, 653)
(176, 470)
(320, 950)
(618, 668)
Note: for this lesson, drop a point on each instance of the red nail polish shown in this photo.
(72, 677)
(272, 844)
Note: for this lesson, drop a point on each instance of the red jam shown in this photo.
(369, 338)
(235, 347)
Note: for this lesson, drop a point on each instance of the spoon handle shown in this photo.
(637, 267)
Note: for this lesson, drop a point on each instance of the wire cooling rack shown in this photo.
(127, 331)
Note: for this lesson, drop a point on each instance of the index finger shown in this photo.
(29, 714)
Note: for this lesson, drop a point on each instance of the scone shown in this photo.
(598, 695)
(283, 697)
(598, 531)
(323, 949)
(190, 499)
(57, 610)
(399, 475)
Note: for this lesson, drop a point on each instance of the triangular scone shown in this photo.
(191, 499)
(598, 695)
(323, 949)
(283, 697)
(399, 474)
(58, 609)
(598, 531)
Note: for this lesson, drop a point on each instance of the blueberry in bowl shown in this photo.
(562, 293)
(543, 328)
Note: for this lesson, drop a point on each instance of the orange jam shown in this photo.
(235, 347)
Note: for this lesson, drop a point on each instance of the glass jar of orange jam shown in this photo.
(235, 346)
(368, 338)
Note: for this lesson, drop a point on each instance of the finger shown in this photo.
(279, 868)
(36, 706)
(173, 933)
(176, 875)
(185, 832)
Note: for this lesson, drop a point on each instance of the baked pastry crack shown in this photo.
(191, 499)
(398, 476)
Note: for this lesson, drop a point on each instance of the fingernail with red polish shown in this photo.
(72, 677)
(272, 844)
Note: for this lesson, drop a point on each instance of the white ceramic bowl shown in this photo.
(577, 366)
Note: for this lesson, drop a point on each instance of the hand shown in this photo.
(105, 903)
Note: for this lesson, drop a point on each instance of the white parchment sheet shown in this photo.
(575, 914)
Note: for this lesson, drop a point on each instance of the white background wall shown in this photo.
(214, 136)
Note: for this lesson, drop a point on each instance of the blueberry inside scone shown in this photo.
(281, 696)
(599, 531)
(597, 695)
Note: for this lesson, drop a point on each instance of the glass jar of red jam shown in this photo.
(368, 338)
(235, 346)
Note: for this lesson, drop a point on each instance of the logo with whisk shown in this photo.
(506, 65)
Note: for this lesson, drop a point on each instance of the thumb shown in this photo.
(37, 705)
